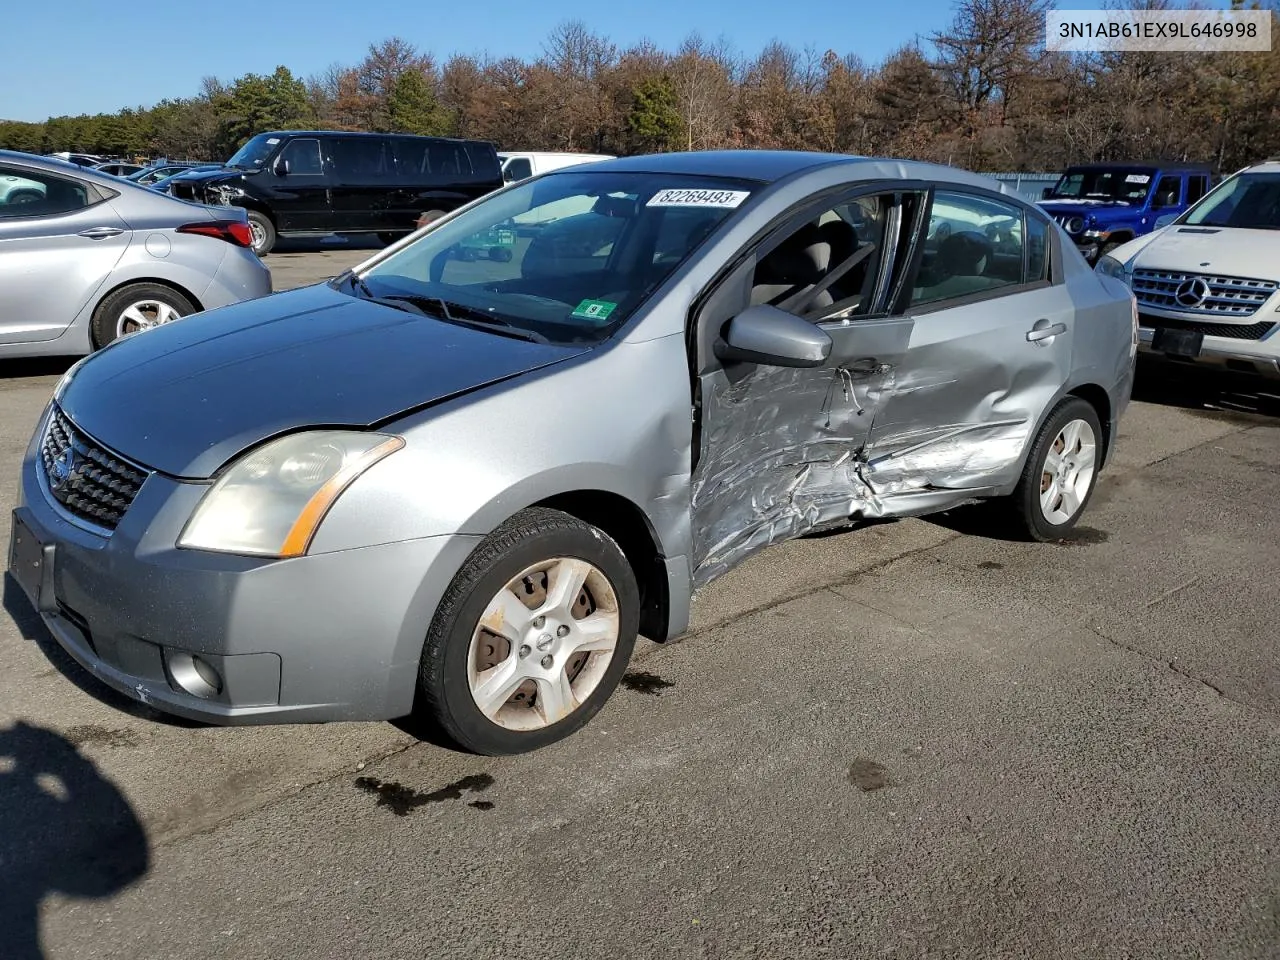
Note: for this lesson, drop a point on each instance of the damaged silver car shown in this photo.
(459, 479)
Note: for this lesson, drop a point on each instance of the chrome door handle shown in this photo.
(1044, 333)
(101, 233)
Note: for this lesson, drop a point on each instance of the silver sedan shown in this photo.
(86, 258)
(460, 479)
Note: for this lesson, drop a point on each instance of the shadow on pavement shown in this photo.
(66, 830)
(35, 367)
(32, 628)
(1201, 388)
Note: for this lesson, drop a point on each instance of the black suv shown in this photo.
(308, 183)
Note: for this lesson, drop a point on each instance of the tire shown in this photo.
(460, 656)
(1038, 512)
(264, 232)
(135, 307)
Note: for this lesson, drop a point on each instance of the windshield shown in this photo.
(1250, 200)
(566, 257)
(254, 153)
(1125, 185)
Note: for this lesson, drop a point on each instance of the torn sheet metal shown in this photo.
(791, 462)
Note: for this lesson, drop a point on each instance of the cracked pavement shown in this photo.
(910, 739)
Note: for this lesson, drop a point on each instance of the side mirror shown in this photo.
(767, 335)
(281, 168)
(1046, 193)
(1164, 220)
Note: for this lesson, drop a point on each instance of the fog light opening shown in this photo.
(194, 675)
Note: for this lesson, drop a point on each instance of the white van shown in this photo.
(521, 166)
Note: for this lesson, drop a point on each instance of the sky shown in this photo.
(92, 56)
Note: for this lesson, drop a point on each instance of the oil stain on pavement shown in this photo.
(402, 800)
(648, 683)
(868, 775)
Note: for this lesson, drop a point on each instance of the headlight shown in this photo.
(270, 502)
(1111, 267)
(1074, 225)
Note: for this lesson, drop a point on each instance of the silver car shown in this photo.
(86, 258)
(458, 480)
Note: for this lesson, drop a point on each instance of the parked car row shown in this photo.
(1208, 283)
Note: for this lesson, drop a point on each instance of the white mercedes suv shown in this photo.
(1208, 284)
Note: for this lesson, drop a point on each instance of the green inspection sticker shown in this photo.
(594, 310)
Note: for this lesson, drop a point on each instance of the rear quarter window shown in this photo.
(484, 161)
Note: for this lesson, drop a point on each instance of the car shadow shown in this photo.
(1201, 388)
(325, 244)
(35, 367)
(68, 830)
(32, 628)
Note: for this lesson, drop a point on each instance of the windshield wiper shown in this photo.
(460, 314)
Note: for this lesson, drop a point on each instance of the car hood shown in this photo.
(1230, 251)
(209, 176)
(1070, 206)
(187, 397)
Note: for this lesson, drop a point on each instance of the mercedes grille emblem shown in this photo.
(1191, 293)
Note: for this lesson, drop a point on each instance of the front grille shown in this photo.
(1226, 296)
(1236, 331)
(87, 479)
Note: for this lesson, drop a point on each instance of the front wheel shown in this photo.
(531, 637)
(1061, 471)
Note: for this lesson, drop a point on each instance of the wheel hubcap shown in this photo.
(1068, 472)
(144, 315)
(257, 233)
(543, 644)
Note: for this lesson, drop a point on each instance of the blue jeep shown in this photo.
(1103, 205)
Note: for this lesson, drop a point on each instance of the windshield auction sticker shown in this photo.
(597, 310)
(1183, 31)
(698, 198)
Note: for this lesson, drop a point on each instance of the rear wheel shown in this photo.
(137, 307)
(263, 232)
(1061, 471)
(532, 636)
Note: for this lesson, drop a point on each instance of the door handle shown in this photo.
(1038, 333)
(101, 233)
(863, 365)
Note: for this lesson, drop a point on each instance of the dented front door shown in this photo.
(780, 446)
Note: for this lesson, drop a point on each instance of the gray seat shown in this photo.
(801, 262)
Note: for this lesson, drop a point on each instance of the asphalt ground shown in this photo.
(912, 739)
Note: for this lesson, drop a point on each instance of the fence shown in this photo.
(1028, 186)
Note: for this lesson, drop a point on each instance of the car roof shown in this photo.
(1164, 165)
(59, 166)
(771, 166)
(355, 133)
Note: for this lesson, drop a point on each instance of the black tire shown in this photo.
(390, 238)
(1024, 504)
(106, 318)
(444, 696)
(264, 232)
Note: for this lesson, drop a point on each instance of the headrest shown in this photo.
(962, 255)
(800, 259)
(608, 206)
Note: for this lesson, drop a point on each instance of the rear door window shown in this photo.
(30, 193)
(1168, 191)
(360, 158)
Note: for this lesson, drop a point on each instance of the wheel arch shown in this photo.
(138, 281)
(1098, 398)
(627, 524)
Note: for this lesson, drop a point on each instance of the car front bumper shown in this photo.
(1243, 356)
(333, 636)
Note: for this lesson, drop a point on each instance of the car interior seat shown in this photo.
(800, 263)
